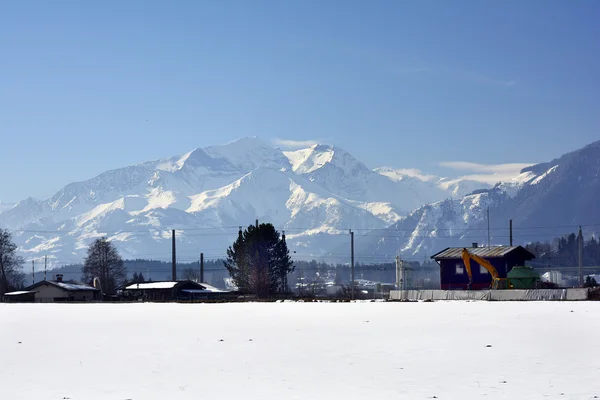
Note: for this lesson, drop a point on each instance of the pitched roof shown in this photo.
(69, 286)
(485, 252)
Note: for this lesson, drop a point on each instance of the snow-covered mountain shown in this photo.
(544, 201)
(5, 206)
(314, 194)
(455, 187)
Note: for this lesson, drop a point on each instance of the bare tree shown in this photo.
(191, 274)
(104, 262)
(10, 264)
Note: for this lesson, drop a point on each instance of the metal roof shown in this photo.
(485, 252)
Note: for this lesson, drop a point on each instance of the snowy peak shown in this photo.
(249, 153)
(309, 160)
(399, 174)
(5, 206)
(455, 188)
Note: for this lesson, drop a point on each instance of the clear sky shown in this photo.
(91, 86)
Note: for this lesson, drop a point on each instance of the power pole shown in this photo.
(174, 266)
(45, 265)
(488, 221)
(511, 237)
(257, 224)
(580, 245)
(201, 267)
(33, 271)
(352, 262)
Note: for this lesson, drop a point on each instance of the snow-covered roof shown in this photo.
(75, 286)
(71, 286)
(200, 291)
(211, 288)
(18, 293)
(151, 285)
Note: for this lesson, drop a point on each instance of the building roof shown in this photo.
(18, 293)
(151, 285)
(211, 288)
(485, 252)
(162, 285)
(69, 286)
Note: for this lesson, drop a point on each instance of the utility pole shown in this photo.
(257, 224)
(400, 276)
(45, 265)
(352, 262)
(201, 267)
(511, 237)
(33, 271)
(174, 266)
(580, 245)
(488, 221)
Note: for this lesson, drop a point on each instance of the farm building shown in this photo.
(171, 291)
(21, 296)
(453, 274)
(61, 291)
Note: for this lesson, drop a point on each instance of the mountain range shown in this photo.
(314, 194)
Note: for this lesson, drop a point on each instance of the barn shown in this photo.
(171, 291)
(453, 274)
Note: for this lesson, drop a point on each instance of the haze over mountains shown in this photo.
(314, 194)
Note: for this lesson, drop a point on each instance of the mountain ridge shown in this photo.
(315, 194)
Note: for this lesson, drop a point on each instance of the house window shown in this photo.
(460, 269)
(482, 270)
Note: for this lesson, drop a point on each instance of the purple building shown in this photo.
(453, 274)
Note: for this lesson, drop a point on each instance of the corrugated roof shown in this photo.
(485, 252)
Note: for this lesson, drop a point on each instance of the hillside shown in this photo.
(544, 201)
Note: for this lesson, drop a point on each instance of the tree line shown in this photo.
(564, 251)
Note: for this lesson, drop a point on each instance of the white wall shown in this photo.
(46, 293)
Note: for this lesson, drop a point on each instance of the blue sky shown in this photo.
(91, 86)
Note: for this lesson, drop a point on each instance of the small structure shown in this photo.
(171, 291)
(452, 268)
(21, 296)
(63, 291)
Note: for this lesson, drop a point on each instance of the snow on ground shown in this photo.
(539, 350)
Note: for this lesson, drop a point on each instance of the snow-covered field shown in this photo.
(539, 350)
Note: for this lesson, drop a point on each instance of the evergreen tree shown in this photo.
(590, 282)
(104, 262)
(259, 261)
(138, 278)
